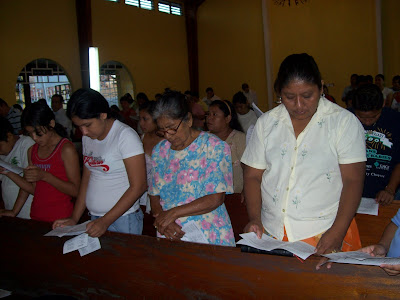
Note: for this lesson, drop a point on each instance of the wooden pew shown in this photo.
(238, 214)
(131, 267)
(372, 227)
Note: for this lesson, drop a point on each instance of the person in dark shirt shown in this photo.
(12, 114)
(382, 137)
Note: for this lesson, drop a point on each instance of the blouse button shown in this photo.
(283, 210)
(295, 148)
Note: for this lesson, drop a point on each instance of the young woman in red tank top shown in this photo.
(53, 174)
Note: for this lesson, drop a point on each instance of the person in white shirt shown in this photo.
(351, 87)
(305, 164)
(60, 114)
(246, 116)
(114, 172)
(250, 94)
(13, 150)
(386, 92)
(210, 97)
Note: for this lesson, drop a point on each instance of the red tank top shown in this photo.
(49, 204)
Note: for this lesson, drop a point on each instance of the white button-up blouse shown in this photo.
(301, 184)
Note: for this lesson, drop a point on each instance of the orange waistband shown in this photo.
(351, 241)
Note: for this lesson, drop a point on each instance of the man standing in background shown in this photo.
(210, 97)
(382, 137)
(12, 114)
(351, 87)
(60, 114)
(250, 94)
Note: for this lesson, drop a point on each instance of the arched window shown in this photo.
(115, 81)
(42, 78)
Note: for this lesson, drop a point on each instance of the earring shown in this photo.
(279, 101)
(323, 95)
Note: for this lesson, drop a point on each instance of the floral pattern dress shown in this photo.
(203, 168)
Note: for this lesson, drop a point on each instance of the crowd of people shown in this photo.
(391, 96)
(301, 175)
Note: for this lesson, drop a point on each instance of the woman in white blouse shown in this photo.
(305, 164)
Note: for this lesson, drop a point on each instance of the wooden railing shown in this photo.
(132, 267)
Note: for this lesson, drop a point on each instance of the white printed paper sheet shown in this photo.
(11, 167)
(193, 233)
(300, 249)
(368, 206)
(361, 258)
(68, 230)
(75, 243)
(93, 244)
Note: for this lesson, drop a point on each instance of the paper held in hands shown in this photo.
(300, 249)
(368, 206)
(257, 111)
(83, 242)
(68, 230)
(193, 233)
(11, 167)
(304, 250)
(361, 258)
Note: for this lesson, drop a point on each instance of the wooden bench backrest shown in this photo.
(372, 227)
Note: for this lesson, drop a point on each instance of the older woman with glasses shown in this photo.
(192, 172)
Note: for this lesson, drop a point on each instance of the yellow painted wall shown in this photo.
(37, 29)
(231, 48)
(339, 34)
(150, 44)
(390, 39)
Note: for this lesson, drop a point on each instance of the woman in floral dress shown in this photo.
(192, 172)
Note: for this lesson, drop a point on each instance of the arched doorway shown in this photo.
(42, 78)
(115, 81)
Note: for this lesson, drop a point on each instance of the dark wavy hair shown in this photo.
(228, 109)
(367, 97)
(87, 104)
(240, 98)
(297, 66)
(39, 115)
(149, 107)
(142, 98)
(5, 128)
(127, 97)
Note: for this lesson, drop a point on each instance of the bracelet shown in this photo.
(389, 191)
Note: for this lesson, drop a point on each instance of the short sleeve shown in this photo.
(155, 160)
(396, 219)
(396, 142)
(130, 143)
(350, 144)
(218, 176)
(240, 143)
(28, 142)
(254, 154)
